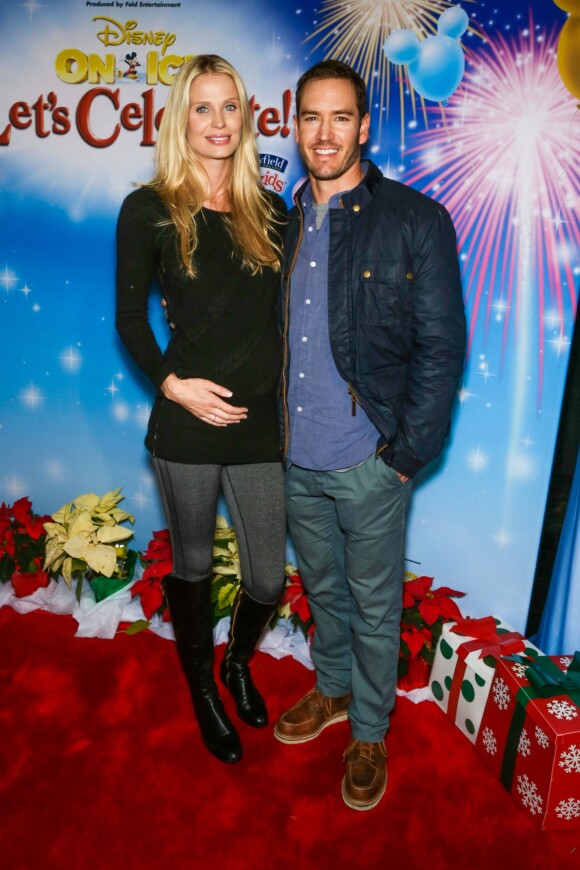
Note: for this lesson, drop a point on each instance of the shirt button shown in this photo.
(299, 408)
(356, 208)
(304, 338)
(308, 301)
(313, 263)
(409, 276)
(366, 273)
(310, 229)
(301, 375)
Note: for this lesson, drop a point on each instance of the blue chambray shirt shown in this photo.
(324, 435)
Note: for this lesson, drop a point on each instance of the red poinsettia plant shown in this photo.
(293, 604)
(425, 610)
(158, 561)
(22, 547)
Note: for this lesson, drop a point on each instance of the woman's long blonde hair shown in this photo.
(183, 184)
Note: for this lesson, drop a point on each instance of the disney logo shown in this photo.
(115, 33)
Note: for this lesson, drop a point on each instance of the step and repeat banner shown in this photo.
(478, 111)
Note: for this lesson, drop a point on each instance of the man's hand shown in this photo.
(402, 477)
(202, 399)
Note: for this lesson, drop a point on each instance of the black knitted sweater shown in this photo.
(225, 331)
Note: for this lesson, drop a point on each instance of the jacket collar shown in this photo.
(357, 198)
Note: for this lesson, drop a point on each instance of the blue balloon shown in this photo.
(439, 68)
(402, 46)
(453, 22)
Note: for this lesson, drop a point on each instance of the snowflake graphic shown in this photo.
(524, 746)
(570, 760)
(489, 741)
(519, 670)
(562, 710)
(542, 738)
(501, 694)
(568, 809)
(529, 793)
(566, 661)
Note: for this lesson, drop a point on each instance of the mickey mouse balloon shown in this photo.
(435, 64)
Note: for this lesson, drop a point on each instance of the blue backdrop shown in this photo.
(77, 125)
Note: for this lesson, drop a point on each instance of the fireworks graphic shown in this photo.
(354, 31)
(505, 159)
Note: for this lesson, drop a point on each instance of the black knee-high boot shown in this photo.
(191, 615)
(249, 618)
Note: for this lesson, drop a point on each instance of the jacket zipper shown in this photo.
(285, 333)
(354, 400)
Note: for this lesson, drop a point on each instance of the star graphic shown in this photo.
(559, 344)
(485, 372)
(463, 395)
(32, 6)
(31, 397)
(526, 442)
(121, 411)
(26, 290)
(553, 320)
(500, 307)
(502, 538)
(112, 389)
(71, 360)
(8, 278)
(476, 459)
(557, 221)
(141, 499)
(15, 486)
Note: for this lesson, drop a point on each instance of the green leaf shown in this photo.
(108, 501)
(86, 502)
(226, 596)
(102, 559)
(79, 589)
(221, 522)
(108, 534)
(137, 626)
(62, 515)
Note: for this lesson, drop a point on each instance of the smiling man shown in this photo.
(374, 339)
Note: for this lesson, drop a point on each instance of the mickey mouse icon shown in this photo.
(435, 65)
(132, 64)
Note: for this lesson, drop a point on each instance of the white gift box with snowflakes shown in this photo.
(464, 667)
(532, 743)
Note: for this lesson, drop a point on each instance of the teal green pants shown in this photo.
(348, 528)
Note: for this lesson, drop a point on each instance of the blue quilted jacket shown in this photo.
(396, 315)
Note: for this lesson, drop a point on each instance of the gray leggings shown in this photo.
(255, 498)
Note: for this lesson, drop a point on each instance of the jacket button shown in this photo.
(356, 208)
(366, 274)
(409, 276)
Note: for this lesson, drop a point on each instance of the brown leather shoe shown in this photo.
(311, 715)
(365, 780)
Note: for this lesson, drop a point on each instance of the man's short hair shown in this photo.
(334, 69)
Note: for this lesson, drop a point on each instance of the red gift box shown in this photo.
(530, 736)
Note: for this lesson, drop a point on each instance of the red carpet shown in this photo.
(102, 767)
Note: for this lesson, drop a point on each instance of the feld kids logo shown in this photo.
(272, 171)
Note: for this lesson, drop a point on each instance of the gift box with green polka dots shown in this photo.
(463, 671)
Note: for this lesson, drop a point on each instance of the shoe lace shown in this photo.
(314, 701)
(365, 750)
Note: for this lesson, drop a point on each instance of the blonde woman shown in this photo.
(205, 229)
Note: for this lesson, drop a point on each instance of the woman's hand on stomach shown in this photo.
(202, 399)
